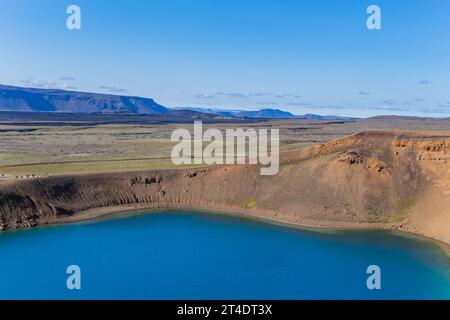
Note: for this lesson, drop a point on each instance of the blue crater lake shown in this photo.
(191, 255)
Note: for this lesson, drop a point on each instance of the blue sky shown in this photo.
(300, 56)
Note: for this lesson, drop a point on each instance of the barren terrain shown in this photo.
(386, 172)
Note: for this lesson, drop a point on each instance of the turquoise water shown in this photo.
(204, 256)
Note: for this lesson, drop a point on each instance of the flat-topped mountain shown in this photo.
(55, 100)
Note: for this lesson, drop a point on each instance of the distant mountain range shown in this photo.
(263, 114)
(19, 99)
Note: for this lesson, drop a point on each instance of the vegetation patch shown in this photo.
(249, 204)
(405, 207)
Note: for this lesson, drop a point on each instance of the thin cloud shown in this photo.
(67, 79)
(424, 82)
(387, 108)
(443, 104)
(236, 95)
(202, 96)
(232, 95)
(113, 89)
(45, 84)
(388, 102)
(283, 96)
(40, 83)
(299, 104)
(312, 106)
(364, 93)
(331, 106)
(433, 110)
(259, 94)
(273, 103)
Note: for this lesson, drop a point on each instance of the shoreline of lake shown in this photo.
(120, 212)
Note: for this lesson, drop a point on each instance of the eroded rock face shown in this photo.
(145, 180)
(366, 159)
(372, 177)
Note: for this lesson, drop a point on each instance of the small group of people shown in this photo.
(31, 176)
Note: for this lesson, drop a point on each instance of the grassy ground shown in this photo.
(53, 149)
(58, 150)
